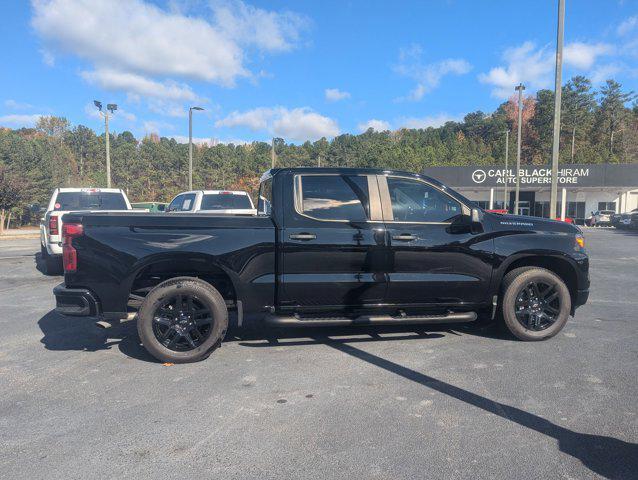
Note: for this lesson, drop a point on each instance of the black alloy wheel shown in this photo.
(182, 322)
(537, 305)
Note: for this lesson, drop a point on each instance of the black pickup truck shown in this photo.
(327, 247)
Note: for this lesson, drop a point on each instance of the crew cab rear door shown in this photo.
(333, 242)
(427, 263)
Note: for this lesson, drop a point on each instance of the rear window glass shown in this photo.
(89, 201)
(225, 201)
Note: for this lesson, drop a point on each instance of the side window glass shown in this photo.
(414, 201)
(335, 197)
(264, 203)
(175, 204)
(188, 202)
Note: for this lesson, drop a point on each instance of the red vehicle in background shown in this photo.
(501, 211)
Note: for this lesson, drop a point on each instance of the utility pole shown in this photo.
(110, 107)
(553, 197)
(507, 176)
(190, 145)
(519, 88)
(272, 153)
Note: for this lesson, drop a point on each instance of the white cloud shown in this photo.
(19, 120)
(534, 66)
(627, 26)
(211, 142)
(248, 25)
(13, 105)
(603, 72)
(152, 126)
(427, 121)
(524, 64)
(137, 84)
(334, 94)
(298, 124)
(583, 55)
(374, 124)
(429, 76)
(137, 47)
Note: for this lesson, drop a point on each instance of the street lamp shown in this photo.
(519, 88)
(190, 145)
(110, 107)
(553, 196)
(507, 152)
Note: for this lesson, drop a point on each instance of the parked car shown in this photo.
(628, 220)
(601, 218)
(329, 246)
(223, 202)
(65, 200)
(567, 219)
(500, 211)
(152, 207)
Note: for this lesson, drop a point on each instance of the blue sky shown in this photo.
(299, 70)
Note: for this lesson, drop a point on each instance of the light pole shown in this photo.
(110, 107)
(190, 145)
(272, 153)
(519, 88)
(507, 153)
(553, 197)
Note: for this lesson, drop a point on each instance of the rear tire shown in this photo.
(52, 264)
(550, 306)
(171, 333)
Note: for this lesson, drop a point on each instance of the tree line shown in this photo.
(597, 126)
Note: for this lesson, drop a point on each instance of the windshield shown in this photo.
(90, 201)
(225, 201)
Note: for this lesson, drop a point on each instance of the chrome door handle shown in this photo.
(404, 237)
(302, 236)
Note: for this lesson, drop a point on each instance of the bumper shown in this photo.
(581, 298)
(54, 248)
(78, 302)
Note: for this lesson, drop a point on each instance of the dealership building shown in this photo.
(583, 188)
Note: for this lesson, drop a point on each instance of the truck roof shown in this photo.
(214, 192)
(351, 171)
(86, 189)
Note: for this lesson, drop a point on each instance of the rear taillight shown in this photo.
(53, 225)
(69, 253)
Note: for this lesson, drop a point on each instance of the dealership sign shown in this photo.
(529, 176)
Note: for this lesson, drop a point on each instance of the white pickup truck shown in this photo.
(223, 202)
(65, 200)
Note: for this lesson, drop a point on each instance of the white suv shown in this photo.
(223, 202)
(65, 200)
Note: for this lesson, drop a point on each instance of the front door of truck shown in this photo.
(333, 240)
(429, 264)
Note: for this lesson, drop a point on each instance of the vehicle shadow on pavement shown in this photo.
(607, 456)
(81, 334)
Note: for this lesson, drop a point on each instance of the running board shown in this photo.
(296, 321)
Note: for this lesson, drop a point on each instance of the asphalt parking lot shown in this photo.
(81, 402)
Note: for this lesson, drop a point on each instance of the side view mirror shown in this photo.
(472, 223)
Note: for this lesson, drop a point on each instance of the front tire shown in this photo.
(536, 303)
(182, 320)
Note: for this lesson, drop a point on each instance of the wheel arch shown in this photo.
(556, 263)
(155, 270)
